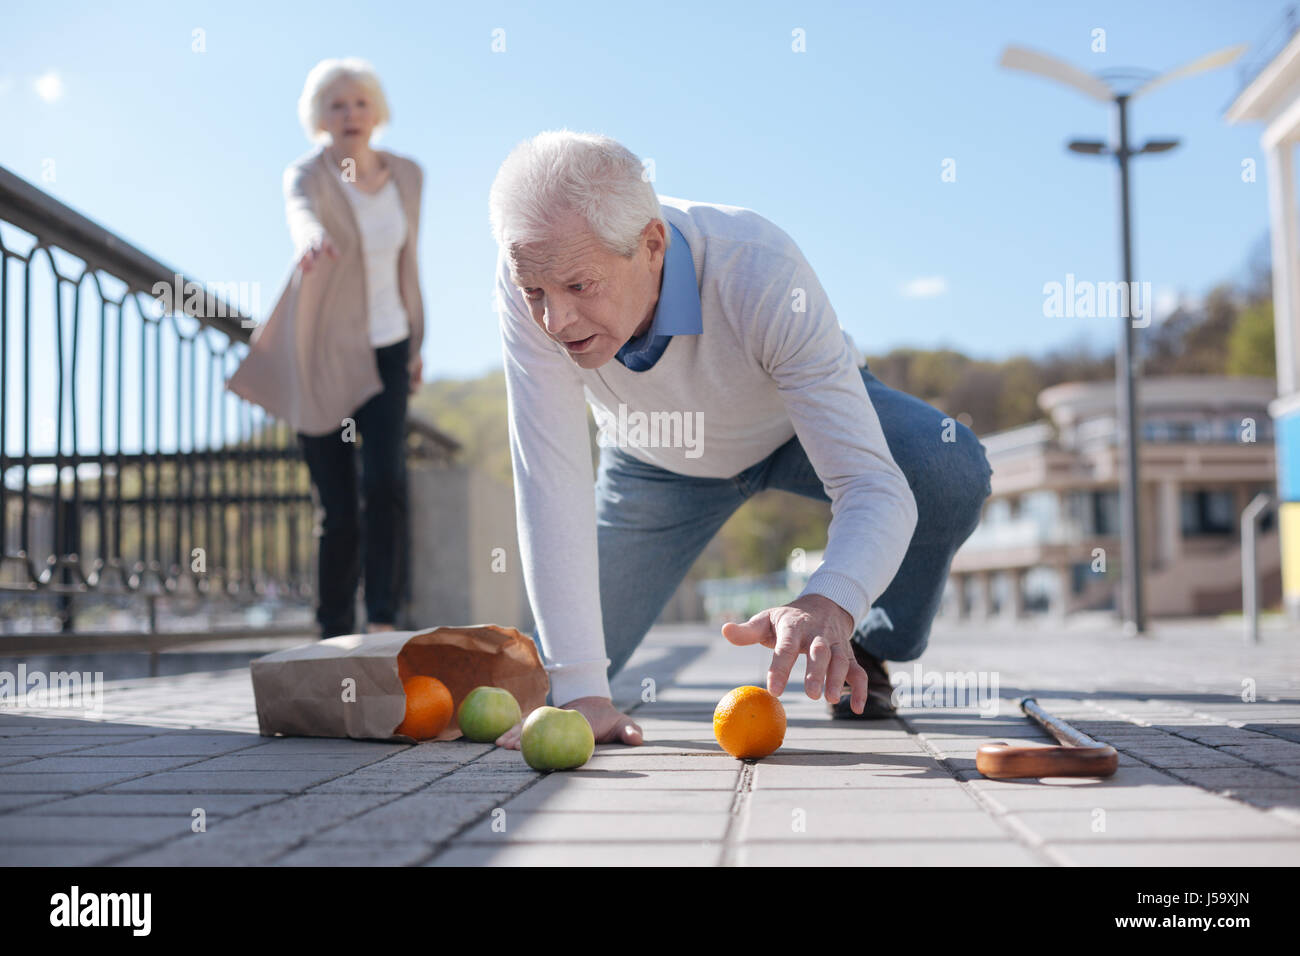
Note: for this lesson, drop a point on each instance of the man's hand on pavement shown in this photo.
(607, 723)
(812, 625)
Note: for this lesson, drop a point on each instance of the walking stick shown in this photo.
(1079, 755)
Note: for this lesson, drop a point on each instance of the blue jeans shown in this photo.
(652, 524)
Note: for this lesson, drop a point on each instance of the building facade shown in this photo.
(1272, 97)
(1049, 539)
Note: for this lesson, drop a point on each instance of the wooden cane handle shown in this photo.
(1081, 756)
(1000, 761)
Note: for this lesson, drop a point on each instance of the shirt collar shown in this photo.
(678, 310)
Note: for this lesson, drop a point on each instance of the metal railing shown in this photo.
(128, 473)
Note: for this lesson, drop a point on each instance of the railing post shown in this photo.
(1250, 518)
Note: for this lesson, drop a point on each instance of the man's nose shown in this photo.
(559, 316)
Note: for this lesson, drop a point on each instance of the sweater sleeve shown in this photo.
(798, 340)
(304, 227)
(550, 453)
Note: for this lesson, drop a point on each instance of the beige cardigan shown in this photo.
(311, 363)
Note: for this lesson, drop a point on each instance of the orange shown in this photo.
(428, 708)
(749, 723)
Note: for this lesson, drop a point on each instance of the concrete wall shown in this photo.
(458, 516)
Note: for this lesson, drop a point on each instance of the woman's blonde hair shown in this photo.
(311, 107)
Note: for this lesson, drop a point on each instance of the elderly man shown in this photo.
(716, 368)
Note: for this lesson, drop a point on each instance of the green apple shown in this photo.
(555, 739)
(486, 713)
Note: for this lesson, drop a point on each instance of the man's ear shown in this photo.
(655, 238)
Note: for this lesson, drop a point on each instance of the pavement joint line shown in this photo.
(442, 846)
(1021, 834)
(739, 806)
(1288, 814)
(161, 844)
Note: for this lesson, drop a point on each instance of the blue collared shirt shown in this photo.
(676, 313)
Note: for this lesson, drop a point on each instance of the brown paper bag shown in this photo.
(304, 691)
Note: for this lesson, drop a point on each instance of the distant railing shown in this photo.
(127, 471)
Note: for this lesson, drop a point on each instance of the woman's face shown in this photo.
(349, 115)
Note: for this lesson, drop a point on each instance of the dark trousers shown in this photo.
(344, 535)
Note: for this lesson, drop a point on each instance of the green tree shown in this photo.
(1251, 350)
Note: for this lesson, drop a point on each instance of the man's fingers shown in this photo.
(783, 658)
(629, 733)
(819, 659)
(757, 630)
(510, 739)
(837, 672)
(857, 678)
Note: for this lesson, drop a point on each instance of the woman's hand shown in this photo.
(416, 366)
(321, 247)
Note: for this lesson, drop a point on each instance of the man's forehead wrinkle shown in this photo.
(558, 259)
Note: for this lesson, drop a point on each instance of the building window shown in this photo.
(1105, 512)
(1208, 512)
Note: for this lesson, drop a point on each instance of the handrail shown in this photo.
(35, 211)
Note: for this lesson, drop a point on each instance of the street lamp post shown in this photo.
(1019, 58)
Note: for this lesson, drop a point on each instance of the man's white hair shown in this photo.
(311, 104)
(558, 172)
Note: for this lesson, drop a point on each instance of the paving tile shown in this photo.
(55, 743)
(577, 826)
(634, 780)
(150, 804)
(205, 849)
(864, 801)
(82, 764)
(424, 817)
(60, 854)
(656, 763)
(1218, 779)
(1266, 753)
(13, 781)
(918, 773)
(541, 797)
(175, 745)
(81, 728)
(580, 854)
(1106, 797)
(1138, 776)
(1201, 853)
(877, 854)
(816, 821)
(1154, 825)
(1267, 796)
(469, 780)
(36, 828)
(332, 763)
(230, 781)
(17, 800)
(1202, 758)
(401, 853)
(314, 745)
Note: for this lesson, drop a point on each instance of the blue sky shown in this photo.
(842, 146)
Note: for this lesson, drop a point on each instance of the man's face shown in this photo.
(586, 298)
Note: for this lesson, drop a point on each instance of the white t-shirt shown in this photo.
(383, 232)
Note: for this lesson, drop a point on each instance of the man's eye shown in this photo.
(577, 286)
(533, 294)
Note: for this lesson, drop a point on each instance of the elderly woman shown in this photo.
(702, 338)
(341, 349)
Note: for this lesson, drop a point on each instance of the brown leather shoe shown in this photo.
(880, 690)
